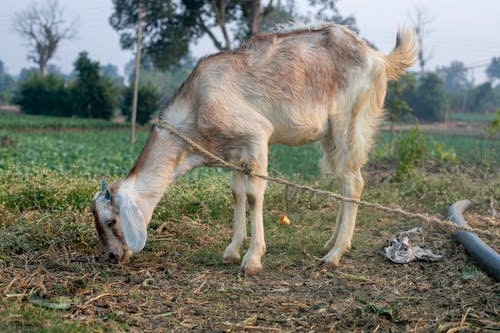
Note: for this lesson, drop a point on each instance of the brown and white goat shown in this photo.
(295, 87)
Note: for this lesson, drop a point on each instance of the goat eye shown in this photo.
(111, 223)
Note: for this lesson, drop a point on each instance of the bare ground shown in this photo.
(168, 287)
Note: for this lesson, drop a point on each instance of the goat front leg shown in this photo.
(351, 185)
(255, 188)
(331, 242)
(232, 252)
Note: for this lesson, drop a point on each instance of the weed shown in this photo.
(410, 149)
(494, 124)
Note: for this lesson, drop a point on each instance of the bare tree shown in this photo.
(43, 27)
(421, 20)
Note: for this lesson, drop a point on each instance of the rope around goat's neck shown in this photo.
(247, 170)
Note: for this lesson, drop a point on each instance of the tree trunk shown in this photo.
(219, 8)
(136, 79)
(43, 69)
(255, 20)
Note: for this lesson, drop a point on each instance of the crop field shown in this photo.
(15, 121)
(55, 276)
(471, 117)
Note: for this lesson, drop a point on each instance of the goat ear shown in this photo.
(132, 223)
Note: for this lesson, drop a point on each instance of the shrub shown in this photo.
(494, 125)
(429, 101)
(410, 149)
(44, 95)
(92, 95)
(147, 103)
(439, 153)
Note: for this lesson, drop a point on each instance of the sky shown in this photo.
(468, 31)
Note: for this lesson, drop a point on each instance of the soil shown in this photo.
(165, 291)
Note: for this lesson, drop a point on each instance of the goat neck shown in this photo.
(163, 158)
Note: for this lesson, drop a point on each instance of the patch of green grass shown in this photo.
(24, 121)
(91, 153)
(19, 316)
(468, 150)
(296, 162)
(471, 150)
(471, 117)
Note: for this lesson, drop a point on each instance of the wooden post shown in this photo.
(137, 67)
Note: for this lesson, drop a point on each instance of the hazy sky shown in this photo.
(462, 30)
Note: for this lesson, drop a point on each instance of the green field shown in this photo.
(50, 256)
(469, 117)
(14, 121)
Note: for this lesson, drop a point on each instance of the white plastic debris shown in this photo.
(400, 251)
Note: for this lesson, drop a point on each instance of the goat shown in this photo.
(293, 87)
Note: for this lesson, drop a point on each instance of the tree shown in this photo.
(429, 101)
(169, 80)
(170, 26)
(421, 21)
(455, 76)
(396, 105)
(44, 95)
(93, 95)
(281, 14)
(327, 11)
(7, 84)
(147, 103)
(493, 70)
(43, 28)
(26, 73)
(111, 72)
(56, 70)
(481, 99)
(457, 84)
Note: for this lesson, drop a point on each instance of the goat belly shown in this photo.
(293, 136)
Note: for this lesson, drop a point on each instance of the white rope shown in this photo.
(247, 170)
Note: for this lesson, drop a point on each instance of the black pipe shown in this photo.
(486, 257)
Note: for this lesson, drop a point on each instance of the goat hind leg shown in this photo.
(327, 165)
(232, 252)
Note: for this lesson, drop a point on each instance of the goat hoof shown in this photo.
(328, 264)
(231, 255)
(231, 259)
(331, 260)
(251, 267)
(251, 270)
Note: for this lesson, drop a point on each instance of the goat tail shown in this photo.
(404, 54)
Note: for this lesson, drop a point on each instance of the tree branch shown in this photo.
(210, 34)
(220, 18)
(41, 27)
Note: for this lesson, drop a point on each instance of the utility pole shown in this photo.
(137, 67)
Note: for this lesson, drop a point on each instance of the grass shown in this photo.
(89, 152)
(109, 153)
(21, 121)
(472, 117)
(471, 149)
(50, 255)
(468, 150)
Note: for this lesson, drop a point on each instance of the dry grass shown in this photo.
(178, 283)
